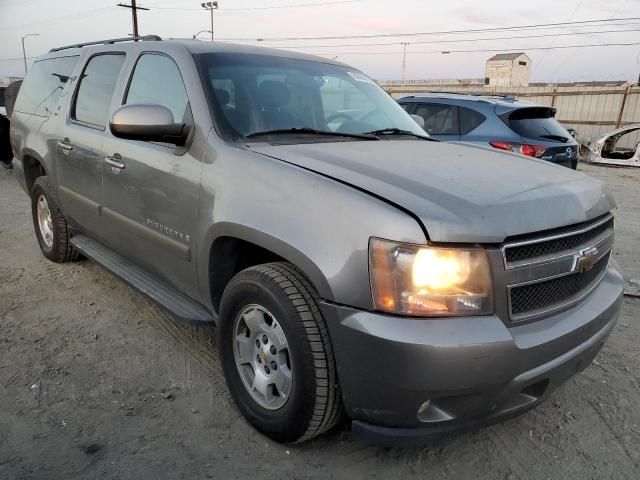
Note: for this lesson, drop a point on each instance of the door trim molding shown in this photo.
(153, 236)
(75, 196)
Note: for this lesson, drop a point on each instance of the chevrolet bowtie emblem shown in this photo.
(586, 259)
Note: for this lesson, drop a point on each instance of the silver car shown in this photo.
(351, 264)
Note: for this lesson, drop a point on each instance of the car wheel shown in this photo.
(276, 353)
(51, 227)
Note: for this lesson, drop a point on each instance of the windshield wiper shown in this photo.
(311, 131)
(398, 131)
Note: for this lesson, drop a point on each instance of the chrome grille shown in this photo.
(555, 271)
(528, 250)
(541, 295)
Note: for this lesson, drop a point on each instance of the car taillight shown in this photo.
(522, 148)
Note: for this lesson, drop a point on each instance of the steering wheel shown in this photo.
(335, 116)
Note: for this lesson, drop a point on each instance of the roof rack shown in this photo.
(110, 41)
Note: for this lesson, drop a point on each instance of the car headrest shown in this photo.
(273, 94)
(222, 96)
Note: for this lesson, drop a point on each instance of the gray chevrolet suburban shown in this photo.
(351, 264)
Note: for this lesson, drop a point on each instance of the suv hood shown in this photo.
(459, 193)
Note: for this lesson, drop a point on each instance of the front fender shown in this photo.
(320, 225)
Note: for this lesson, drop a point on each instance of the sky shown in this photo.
(62, 22)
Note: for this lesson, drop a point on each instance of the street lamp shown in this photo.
(24, 52)
(201, 31)
(211, 6)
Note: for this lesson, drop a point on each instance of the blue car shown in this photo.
(499, 122)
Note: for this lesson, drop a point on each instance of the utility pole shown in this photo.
(211, 6)
(404, 61)
(134, 15)
(24, 52)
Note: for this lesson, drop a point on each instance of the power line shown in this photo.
(571, 54)
(553, 42)
(64, 17)
(441, 51)
(292, 47)
(502, 50)
(273, 7)
(415, 34)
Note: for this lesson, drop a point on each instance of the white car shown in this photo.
(619, 147)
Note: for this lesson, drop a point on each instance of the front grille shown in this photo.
(550, 293)
(519, 253)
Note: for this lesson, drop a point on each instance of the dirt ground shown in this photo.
(96, 382)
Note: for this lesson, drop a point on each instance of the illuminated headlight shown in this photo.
(429, 281)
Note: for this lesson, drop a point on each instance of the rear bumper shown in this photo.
(573, 163)
(471, 371)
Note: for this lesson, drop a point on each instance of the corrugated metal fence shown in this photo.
(591, 110)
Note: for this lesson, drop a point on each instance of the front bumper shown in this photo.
(472, 371)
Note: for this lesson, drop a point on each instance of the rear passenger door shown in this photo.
(440, 120)
(151, 203)
(80, 142)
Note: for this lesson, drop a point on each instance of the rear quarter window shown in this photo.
(469, 120)
(439, 119)
(537, 124)
(43, 85)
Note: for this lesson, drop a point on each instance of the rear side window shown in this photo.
(45, 81)
(1, 97)
(157, 80)
(439, 119)
(96, 87)
(469, 120)
(538, 124)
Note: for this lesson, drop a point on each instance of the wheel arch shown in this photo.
(34, 166)
(233, 247)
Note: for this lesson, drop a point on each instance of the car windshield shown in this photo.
(263, 96)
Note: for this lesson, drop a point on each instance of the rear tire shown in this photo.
(51, 227)
(270, 322)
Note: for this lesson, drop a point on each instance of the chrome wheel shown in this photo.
(261, 354)
(45, 224)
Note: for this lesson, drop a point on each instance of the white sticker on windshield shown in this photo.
(360, 77)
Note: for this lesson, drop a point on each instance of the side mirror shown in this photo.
(147, 122)
(419, 120)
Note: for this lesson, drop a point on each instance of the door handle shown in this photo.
(64, 145)
(115, 161)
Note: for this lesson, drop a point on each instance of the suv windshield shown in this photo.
(538, 124)
(257, 96)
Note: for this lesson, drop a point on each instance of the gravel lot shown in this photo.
(96, 382)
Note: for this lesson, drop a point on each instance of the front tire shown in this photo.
(276, 353)
(51, 227)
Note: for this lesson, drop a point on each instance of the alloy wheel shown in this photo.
(261, 354)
